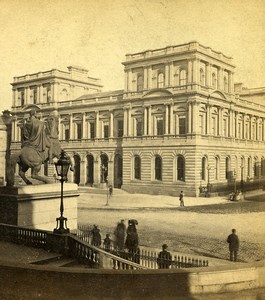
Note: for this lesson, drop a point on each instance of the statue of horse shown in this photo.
(30, 158)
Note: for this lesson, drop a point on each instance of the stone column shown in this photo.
(195, 71)
(171, 74)
(83, 172)
(166, 119)
(97, 125)
(130, 80)
(149, 77)
(171, 124)
(230, 82)
(190, 76)
(263, 131)
(84, 127)
(125, 122)
(166, 75)
(15, 129)
(129, 122)
(55, 92)
(145, 120)
(145, 78)
(195, 117)
(220, 83)
(250, 127)
(110, 172)
(208, 119)
(150, 123)
(97, 171)
(111, 123)
(41, 93)
(27, 95)
(220, 117)
(15, 98)
(71, 129)
(208, 75)
(190, 117)
(231, 123)
(125, 81)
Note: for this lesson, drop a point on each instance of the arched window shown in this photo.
(214, 81)
(181, 168)
(203, 172)
(217, 165)
(227, 168)
(262, 166)
(249, 167)
(158, 168)
(256, 167)
(183, 77)
(160, 80)
(202, 77)
(137, 167)
(140, 83)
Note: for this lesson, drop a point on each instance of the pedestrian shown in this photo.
(181, 198)
(107, 243)
(132, 241)
(119, 233)
(164, 259)
(233, 241)
(110, 190)
(96, 237)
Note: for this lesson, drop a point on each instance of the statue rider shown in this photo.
(34, 133)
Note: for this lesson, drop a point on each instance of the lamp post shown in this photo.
(62, 167)
(242, 179)
(208, 184)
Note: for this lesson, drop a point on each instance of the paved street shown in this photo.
(199, 228)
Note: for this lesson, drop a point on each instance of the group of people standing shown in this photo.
(127, 238)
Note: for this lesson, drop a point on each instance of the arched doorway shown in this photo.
(90, 170)
(118, 171)
(77, 169)
(104, 168)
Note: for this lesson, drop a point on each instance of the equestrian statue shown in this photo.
(40, 144)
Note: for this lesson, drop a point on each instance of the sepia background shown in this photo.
(38, 35)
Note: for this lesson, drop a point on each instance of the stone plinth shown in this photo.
(38, 206)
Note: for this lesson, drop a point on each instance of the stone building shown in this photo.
(180, 123)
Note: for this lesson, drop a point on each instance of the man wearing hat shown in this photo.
(164, 258)
(233, 241)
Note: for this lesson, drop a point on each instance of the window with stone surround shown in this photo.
(160, 80)
(228, 168)
(183, 77)
(158, 168)
(180, 168)
(160, 125)
(203, 170)
(202, 77)
(120, 128)
(137, 167)
(92, 129)
(140, 83)
(182, 125)
(139, 127)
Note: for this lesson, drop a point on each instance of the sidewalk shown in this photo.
(95, 198)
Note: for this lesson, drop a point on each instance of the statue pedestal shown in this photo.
(38, 206)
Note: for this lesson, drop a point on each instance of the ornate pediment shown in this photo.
(157, 93)
(218, 94)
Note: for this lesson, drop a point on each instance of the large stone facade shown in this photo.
(179, 124)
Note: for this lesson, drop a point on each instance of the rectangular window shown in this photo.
(79, 131)
(160, 126)
(139, 128)
(92, 130)
(67, 132)
(182, 126)
(225, 133)
(106, 131)
(201, 127)
(120, 128)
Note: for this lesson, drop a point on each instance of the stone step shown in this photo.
(58, 261)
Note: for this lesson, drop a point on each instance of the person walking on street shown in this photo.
(164, 259)
(233, 241)
(181, 198)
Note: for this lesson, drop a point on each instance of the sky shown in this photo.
(39, 35)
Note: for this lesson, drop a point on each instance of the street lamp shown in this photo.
(62, 167)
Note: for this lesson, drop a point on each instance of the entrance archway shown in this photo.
(118, 171)
(104, 161)
(77, 169)
(90, 170)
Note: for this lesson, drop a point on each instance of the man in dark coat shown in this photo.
(233, 245)
(96, 236)
(120, 232)
(164, 258)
